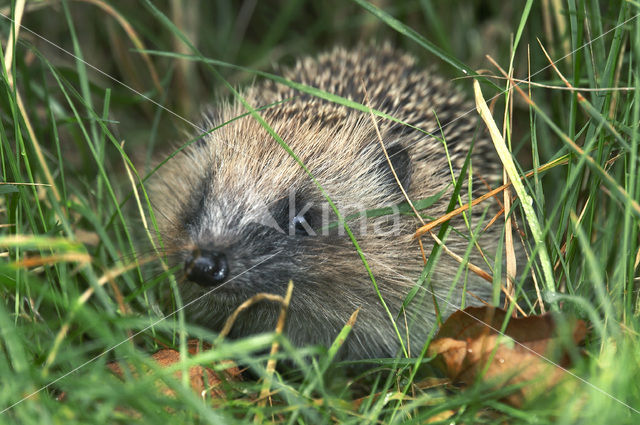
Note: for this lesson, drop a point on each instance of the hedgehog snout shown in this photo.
(206, 268)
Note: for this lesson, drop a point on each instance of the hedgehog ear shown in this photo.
(399, 156)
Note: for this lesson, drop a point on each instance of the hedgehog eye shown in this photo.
(300, 226)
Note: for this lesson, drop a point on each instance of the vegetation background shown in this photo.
(84, 110)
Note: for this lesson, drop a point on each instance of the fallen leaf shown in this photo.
(205, 381)
(528, 353)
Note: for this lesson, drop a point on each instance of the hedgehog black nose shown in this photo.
(206, 268)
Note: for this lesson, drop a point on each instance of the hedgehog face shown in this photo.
(227, 226)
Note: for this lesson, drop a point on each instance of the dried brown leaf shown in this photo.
(205, 381)
(529, 352)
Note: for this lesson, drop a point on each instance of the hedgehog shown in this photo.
(243, 216)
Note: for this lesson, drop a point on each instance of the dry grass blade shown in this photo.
(76, 257)
(7, 60)
(13, 37)
(525, 198)
(271, 364)
(107, 277)
(511, 265)
(606, 178)
(386, 154)
(552, 87)
(133, 36)
(429, 226)
(245, 305)
(475, 269)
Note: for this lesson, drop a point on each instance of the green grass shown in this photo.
(82, 284)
